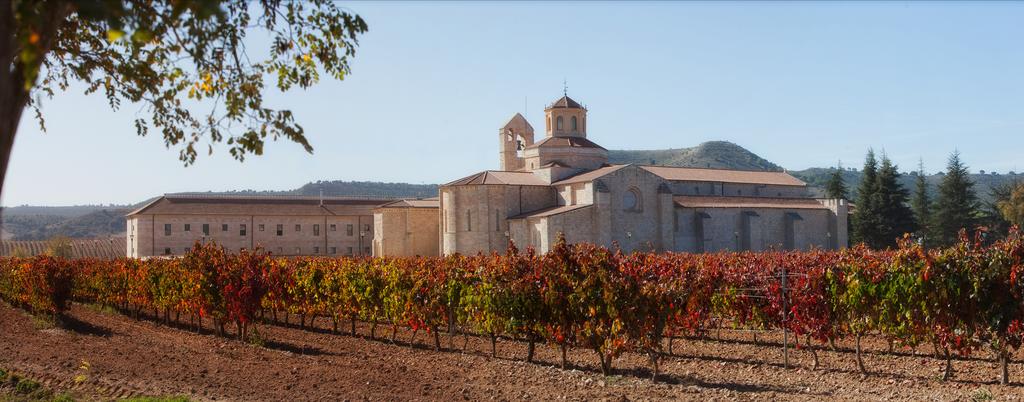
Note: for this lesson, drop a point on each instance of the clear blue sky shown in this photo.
(801, 84)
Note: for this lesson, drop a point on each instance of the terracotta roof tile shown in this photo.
(589, 175)
(206, 204)
(565, 102)
(696, 201)
(414, 203)
(499, 177)
(561, 209)
(565, 142)
(724, 175)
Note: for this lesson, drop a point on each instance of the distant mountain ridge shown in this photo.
(39, 223)
(711, 154)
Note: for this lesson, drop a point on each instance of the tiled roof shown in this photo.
(565, 142)
(433, 202)
(500, 177)
(589, 175)
(518, 117)
(105, 248)
(204, 204)
(553, 164)
(565, 102)
(724, 175)
(551, 211)
(696, 201)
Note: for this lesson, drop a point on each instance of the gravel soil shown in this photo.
(103, 355)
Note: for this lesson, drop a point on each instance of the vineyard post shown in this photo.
(785, 329)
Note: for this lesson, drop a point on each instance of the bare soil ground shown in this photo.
(128, 357)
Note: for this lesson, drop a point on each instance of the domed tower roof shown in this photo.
(565, 102)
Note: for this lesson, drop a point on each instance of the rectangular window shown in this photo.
(167, 251)
(241, 230)
(334, 250)
(167, 229)
(298, 228)
(497, 221)
(188, 227)
(348, 229)
(206, 229)
(224, 227)
(367, 251)
(349, 251)
(469, 221)
(334, 228)
(262, 227)
(280, 229)
(316, 230)
(366, 227)
(316, 250)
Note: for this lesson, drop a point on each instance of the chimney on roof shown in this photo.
(321, 197)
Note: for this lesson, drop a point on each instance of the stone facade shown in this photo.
(286, 226)
(406, 228)
(562, 185)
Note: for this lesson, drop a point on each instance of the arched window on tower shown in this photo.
(572, 123)
(558, 123)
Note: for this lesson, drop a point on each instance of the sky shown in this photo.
(801, 84)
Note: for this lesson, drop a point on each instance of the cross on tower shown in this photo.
(565, 87)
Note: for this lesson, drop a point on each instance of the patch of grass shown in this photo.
(255, 338)
(26, 386)
(63, 398)
(101, 308)
(43, 321)
(982, 394)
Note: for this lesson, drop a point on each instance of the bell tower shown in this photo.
(565, 118)
(514, 137)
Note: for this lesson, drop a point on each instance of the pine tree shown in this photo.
(921, 204)
(890, 201)
(865, 217)
(836, 187)
(956, 206)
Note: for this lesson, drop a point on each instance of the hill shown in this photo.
(712, 154)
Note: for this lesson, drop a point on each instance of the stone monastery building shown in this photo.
(563, 184)
(560, 184)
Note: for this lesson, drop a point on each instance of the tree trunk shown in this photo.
(238, 327)
(530, 348)
(437, 339)
(814, 352)
(14, 94)
(494, 345)
(373, 329)
(948, 373)
(670, 339)
(1004, 362)
(860, 360)
(655, 356)
(604, 365)
(564, 347)
(353, 329)
(394, 333)
(413, 338)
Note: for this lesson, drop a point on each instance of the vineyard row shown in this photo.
(958, 299)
